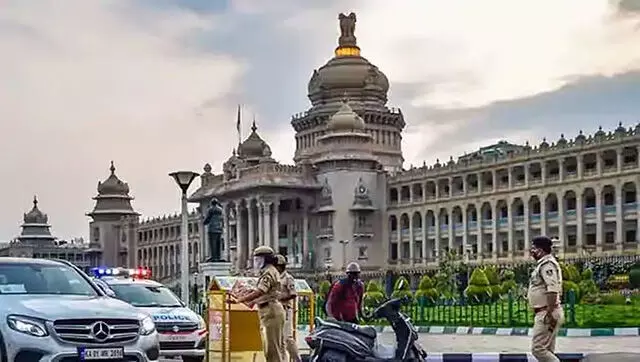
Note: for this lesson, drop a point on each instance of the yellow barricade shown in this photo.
(234, 329)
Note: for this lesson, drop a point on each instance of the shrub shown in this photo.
(508, 286)
(494, 281)
(426, 290)
(587, 274)
(569, 286)
(478, 290)
(634, 278)
(373, 295)
(323, 289)
(570, 273)
(405, 291)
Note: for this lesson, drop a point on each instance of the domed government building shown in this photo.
(347, 197)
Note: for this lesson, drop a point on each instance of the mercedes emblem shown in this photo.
(100, 331)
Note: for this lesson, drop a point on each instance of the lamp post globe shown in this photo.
(184, 180)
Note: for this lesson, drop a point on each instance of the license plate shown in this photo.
(173, 337)
(88, 354)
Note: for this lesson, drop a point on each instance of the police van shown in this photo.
(182, 332)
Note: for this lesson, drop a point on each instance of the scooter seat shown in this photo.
(366, 331)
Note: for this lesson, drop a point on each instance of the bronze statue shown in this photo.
(215, 225)
(347, 30)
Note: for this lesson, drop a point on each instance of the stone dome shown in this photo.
(345, 119)
(254, 146)
(113, 185)
(35, 216)
(347, 71)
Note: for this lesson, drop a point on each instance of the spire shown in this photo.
(35, 201)
(253, 125)
(112, 168)
(347, 42)
(238, 124)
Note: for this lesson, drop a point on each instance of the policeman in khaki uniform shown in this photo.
(287, 297)
(265, 296)
(545, 289)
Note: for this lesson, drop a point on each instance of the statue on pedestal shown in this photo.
(215, 225)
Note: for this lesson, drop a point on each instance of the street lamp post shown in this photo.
(184, 180)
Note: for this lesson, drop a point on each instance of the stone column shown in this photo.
(239, 248)
(436, 217)
(561, 169)
(465, 232)
(452, 235)
(543, 215)
(251, 231)
(276, 226)
(494, 180)
(527, 229)
(480, 233)
(226, 232)
(619, 217)
(579, 221)
(425, 236)
(399, 241)
(494, 233)
(599, 163)
(620, 159)
(526, 176)
(580, 162)
(305, 236)
(510, 225)
(480, 181)
(267, 224)
(543, 168)
(260, 223)
(598, 219)
(562, 233)
(411, 241)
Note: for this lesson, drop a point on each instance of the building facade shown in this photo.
(489, 205)
(36, 241)
(347, 197)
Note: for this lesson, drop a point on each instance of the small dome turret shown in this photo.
(113, 185)
(345, 119)
(254, 146)
(35, 216)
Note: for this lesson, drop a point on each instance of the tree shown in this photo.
(478, 290)
(445, 279)
(402, 289)
(426, 290)
(494, 281)
(373, 295)
(509, 284)
(634, 278)
(323, 289)
(587, 285)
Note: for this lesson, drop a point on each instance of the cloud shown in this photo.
(86, 82)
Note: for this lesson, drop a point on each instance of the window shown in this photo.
(140, 295)
(362, 253)
(327, 253)
(283, 231)
(36, 278)
(362, 220)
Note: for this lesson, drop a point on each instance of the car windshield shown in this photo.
(32, 278)
(140, 295)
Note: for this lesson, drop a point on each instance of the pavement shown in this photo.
(601, 348)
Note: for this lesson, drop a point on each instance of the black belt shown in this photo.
(263, 305)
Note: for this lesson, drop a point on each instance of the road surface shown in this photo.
(448, 343)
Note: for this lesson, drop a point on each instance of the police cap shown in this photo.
(281, 260)
(542, 242)
(263, 250)
(353, 267)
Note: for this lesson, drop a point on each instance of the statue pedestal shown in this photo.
(212, 270)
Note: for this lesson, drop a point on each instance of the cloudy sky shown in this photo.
(153, 84)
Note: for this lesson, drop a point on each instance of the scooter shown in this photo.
(334, 341)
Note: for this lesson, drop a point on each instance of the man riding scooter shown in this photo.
(345, 296)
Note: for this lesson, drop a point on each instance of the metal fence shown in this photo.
(614, 310)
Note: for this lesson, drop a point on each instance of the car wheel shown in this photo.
(3, 351)
(192, 359)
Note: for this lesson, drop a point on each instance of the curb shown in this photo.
(492, 357)
(518, 331)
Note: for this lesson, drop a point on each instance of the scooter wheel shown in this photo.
(332, 356)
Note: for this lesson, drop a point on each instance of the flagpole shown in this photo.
(239, 125)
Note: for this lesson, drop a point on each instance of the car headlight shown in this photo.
(147, 326)
(26, 325)
(201, 324)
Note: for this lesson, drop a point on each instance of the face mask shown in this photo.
(258, 262)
